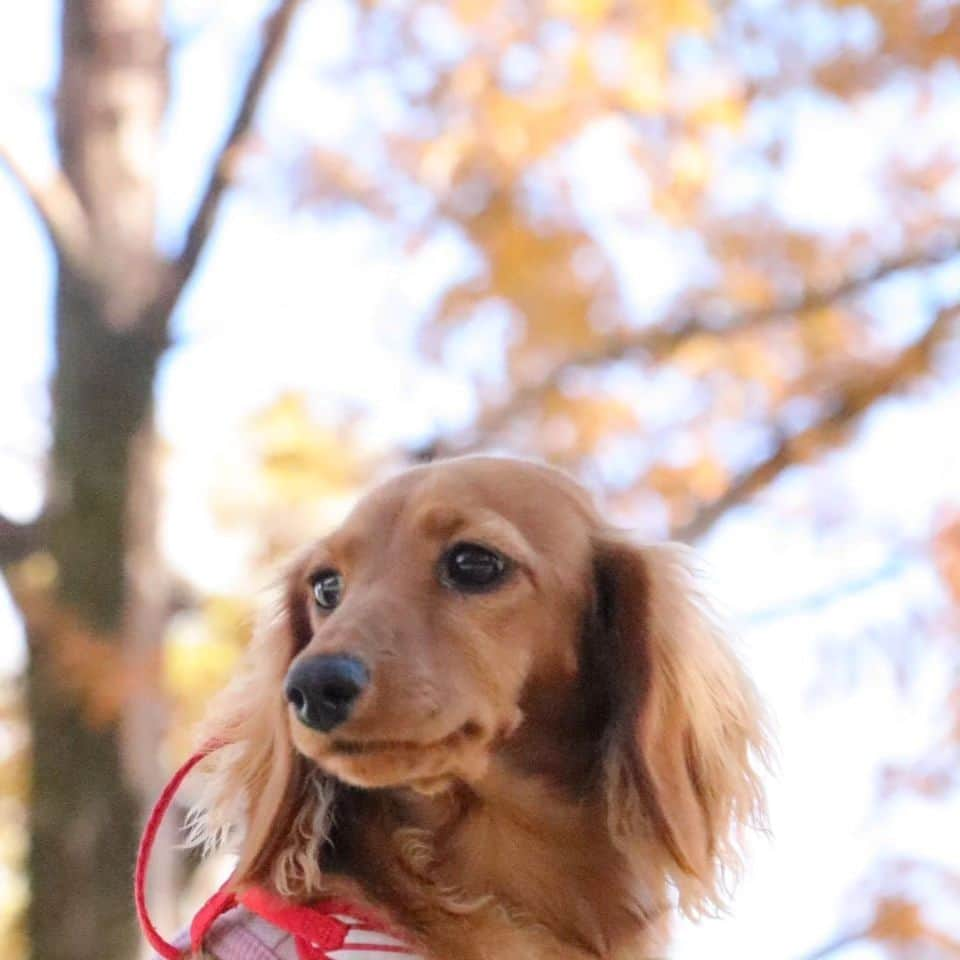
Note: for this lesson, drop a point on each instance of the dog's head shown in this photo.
(478, 611)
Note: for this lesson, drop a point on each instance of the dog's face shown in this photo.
(478, 610)
(420, 622)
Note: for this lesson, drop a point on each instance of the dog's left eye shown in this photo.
(468, 566)
(327, 587)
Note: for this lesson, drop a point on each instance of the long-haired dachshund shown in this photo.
(484, 715)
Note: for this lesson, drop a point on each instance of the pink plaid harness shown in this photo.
(255, 924)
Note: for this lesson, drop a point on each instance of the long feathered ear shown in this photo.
(687, 732)
(260, 798)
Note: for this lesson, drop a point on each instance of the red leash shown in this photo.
(329, 924)
(166, 950)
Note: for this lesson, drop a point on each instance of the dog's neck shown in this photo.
(511, 847)
(525, 852)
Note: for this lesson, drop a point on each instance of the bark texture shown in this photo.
(84, 815)
(96, 709)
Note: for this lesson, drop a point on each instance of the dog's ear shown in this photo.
(260, 797)
(272, 778)
(686, 732)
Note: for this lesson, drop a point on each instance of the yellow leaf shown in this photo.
(724, 111)
(441, 159)
(644, 87)
(697, 354)
(201, 651)
(689, 165)
(580, 423)
(302, 460)
(585, 11)
(755, 359)
(826, 332)
(898, 921)
(690, 16)
(581, 69)
(708, 477)
(748, 285)
(510, 123)
(473, 11)
(470, 79)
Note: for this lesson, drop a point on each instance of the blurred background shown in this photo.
(706, 256)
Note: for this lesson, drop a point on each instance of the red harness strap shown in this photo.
(317, 928)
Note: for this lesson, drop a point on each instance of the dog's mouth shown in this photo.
(427, 765)
(471, 730)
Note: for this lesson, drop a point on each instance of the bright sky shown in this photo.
(341, 329)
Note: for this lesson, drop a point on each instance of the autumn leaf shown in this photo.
(946, 552)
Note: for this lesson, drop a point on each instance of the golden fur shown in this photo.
(539, 772)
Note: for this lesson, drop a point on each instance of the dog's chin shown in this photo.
(427, 767)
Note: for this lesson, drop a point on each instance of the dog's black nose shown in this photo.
(323, 689)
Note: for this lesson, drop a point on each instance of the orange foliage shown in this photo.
(946, 552)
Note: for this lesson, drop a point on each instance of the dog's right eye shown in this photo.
(473, 568)
(327, 588)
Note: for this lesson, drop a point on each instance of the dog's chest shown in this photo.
(494, 934)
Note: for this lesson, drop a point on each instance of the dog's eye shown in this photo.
(468, 566)
(327, 587)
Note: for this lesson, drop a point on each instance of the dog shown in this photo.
(480, 712)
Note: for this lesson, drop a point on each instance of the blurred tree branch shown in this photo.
(898, 922)
(820, 600)
(275, 30)
(834, 946)
(848, 403)
(59, 209)
(658, 342)
(17, 540)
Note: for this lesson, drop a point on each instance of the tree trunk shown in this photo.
(84, 815)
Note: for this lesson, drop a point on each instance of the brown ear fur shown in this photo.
(260, 797)
(687, 732)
